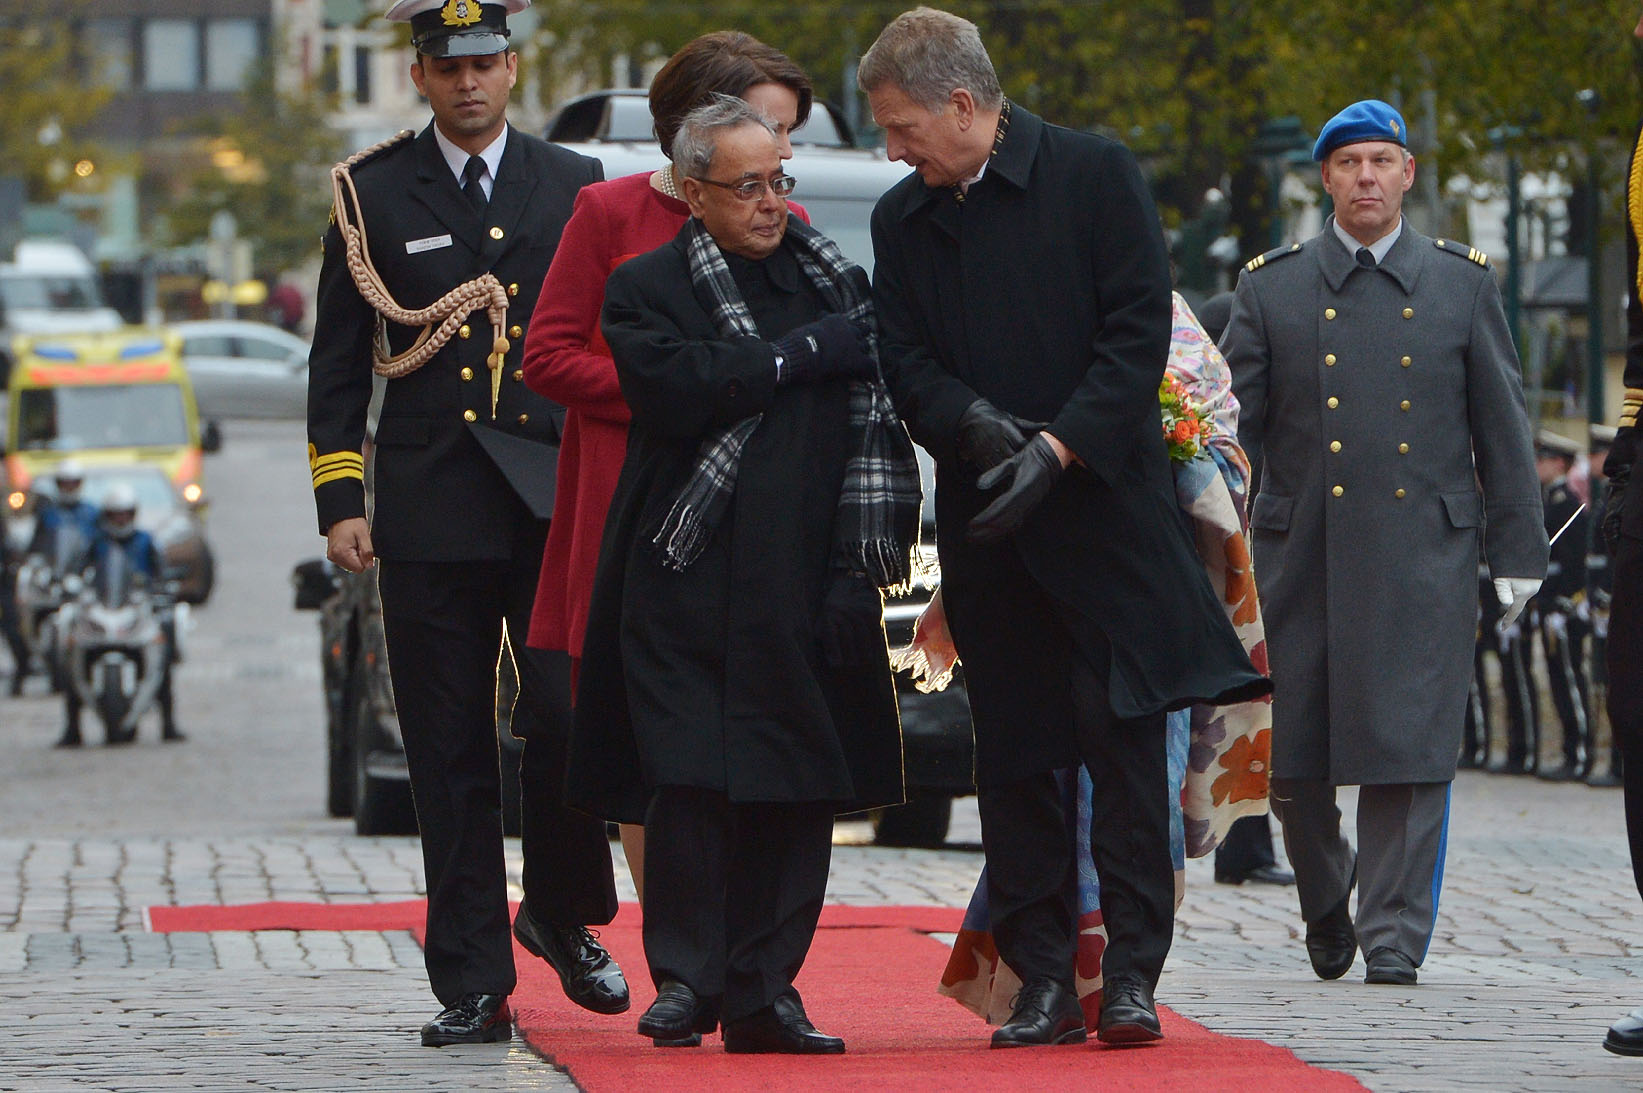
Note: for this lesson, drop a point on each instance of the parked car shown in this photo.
(366, 774)
(245, 369)
(176, 523)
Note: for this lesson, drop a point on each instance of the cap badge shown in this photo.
(460, 13)
(1393, 123)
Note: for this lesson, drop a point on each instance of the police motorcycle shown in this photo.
(48, 584)
(122, 640)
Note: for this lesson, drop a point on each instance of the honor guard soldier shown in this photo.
(1560, 606)
(432, 265)
(1599, 593)
(1378, 382)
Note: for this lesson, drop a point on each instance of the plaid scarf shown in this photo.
(877, 523)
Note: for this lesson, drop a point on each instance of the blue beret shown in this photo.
(1370, 119)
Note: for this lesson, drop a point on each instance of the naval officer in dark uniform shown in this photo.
(440, 245)
(1378, 382)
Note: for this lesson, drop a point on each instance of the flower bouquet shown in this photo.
(1186, 427)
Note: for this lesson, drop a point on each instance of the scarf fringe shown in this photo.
(681, 537)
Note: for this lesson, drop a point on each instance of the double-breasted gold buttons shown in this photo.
(1338, 490)
(1329, 313)
(1408, 313)
(1333, 402)
(518, 331)
(497, 233)
(1404, 405)
(1406, 362)
(469, 415)
(1334, 445)
(519, 375)
(513, 288)
(467, 373)
(524, 418)
(1403, 449)
(1398, 493)
(1329, 359)
(464, 331)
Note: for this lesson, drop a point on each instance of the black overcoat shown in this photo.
(713, 677)
(1047, 292)
(439, 497)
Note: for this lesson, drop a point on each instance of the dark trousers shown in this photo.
(1031, 889)
(1517, 678)
(1474, 747)
(444, 627)
(1563, 640)
(1247, 847)
(733, 893)
(1625, 664)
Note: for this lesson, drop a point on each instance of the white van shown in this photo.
(50, 287)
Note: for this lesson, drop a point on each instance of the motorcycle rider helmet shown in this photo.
(69, 477)
(119, 515)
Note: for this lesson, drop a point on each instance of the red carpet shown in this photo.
(871, 978)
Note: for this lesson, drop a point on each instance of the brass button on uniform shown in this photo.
(1403, 449)
(496, 233)
(1338, 490)
(1333, 402)
(513, 288)
(1408, 313)
(524, 418)
(1334, 445)
(469, 415)
(519, 375)
(1329, 359)
(1398, 494)
(1329, 313)
(464, 331)
(467, 373)
(1406, 362)
(516, 331)
(1404, 405)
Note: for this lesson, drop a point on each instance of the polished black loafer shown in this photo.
(1045, 1012)
(1128, 1014)
(1331, 942)
(1626, 1035)
(1389, 967)
(589, 976)
(475, 1019)
(781, 1028)
(677, 1015)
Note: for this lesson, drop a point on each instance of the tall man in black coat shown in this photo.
(470, 202)
(1024, 296)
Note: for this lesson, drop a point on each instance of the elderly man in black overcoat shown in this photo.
(1024, 295)
(735, 688)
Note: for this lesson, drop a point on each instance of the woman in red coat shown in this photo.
(566, 358)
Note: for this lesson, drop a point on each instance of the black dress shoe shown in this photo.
(1389, 967)
(678, 1014)
(69, 740)
(1045, 1012)
(1331, 942)
(475, 1019)
(781, 1028)
(1128, 1015)
(1626, 1035)
(1261, 874)
(590, 977)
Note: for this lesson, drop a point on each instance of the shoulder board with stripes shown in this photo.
(1271, 256)
(1461, 250)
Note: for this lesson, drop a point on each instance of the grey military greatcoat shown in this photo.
(1388, 408)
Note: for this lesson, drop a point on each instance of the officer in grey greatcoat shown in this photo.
(1379, 383)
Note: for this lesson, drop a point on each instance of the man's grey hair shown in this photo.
(697, 141)
(929, 54)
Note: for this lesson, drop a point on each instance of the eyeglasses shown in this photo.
(753, 189)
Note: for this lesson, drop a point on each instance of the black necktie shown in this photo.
(1366, 257)
(472, 172)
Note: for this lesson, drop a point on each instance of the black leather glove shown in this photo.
(1031, 474)
(830, 347)
(1614, 504)
(851, 622)
(987, 436)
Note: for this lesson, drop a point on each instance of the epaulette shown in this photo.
(1461, 250)
(366, 155)
(1271, 256)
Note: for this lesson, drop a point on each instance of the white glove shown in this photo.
(1508, 589)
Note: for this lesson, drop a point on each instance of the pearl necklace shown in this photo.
(666, 174)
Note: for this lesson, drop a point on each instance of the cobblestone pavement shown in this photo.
(1536, 952)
